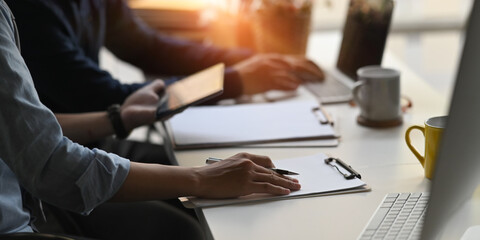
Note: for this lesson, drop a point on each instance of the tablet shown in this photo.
(191, 90)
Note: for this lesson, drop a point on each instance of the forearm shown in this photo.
(84, 128)
(236, 176)
(153, 181)
(139, 109)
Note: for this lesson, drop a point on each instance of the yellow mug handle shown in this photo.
(409, 143)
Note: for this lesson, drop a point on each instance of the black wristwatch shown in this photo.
(116, 120)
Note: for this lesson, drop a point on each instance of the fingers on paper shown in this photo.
(261, 160)
(265, 174)
(274, 183)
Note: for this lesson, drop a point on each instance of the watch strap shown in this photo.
(116, 120)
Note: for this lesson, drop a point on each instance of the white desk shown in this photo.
(380, 155)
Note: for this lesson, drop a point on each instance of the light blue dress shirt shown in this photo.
(35, 155)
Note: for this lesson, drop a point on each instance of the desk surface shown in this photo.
(380, 155)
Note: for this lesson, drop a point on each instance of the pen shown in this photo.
(322, 115)
(277, 170)
(327, 115)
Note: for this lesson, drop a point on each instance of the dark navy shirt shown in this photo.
(61, 40)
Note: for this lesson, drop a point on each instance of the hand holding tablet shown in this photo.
(191, 90)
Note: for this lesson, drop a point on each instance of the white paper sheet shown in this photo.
(315, 176)
(247, 124)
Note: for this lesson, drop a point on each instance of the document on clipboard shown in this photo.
(279, 124)
(318, 174)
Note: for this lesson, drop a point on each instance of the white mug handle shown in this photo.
(355, 92)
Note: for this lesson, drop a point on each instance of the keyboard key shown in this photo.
(404, 196)
(392, 195)
(379, 216)
(387, 205)
(416, 195)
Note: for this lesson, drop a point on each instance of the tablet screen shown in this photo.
(191, 90)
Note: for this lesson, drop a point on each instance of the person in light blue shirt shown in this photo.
(33, 148)
(35, 157)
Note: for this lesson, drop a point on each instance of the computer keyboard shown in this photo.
(399, 216)
(330, 90)
(328, 87)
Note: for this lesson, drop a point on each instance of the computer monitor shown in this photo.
(457, 172)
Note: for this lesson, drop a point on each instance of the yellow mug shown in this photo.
(432, 132)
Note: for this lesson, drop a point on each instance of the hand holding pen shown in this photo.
(211, 160)
(244, 174)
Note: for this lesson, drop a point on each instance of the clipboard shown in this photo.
(268, 124)
(317, 177)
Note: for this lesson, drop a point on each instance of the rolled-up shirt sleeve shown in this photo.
(46, 163)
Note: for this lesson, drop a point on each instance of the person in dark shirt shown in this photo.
(61, 41)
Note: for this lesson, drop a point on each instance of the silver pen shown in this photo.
(277, 170)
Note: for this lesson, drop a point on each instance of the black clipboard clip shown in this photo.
(322, 115)
(353, 174)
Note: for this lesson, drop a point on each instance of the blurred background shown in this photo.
(424, 34)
